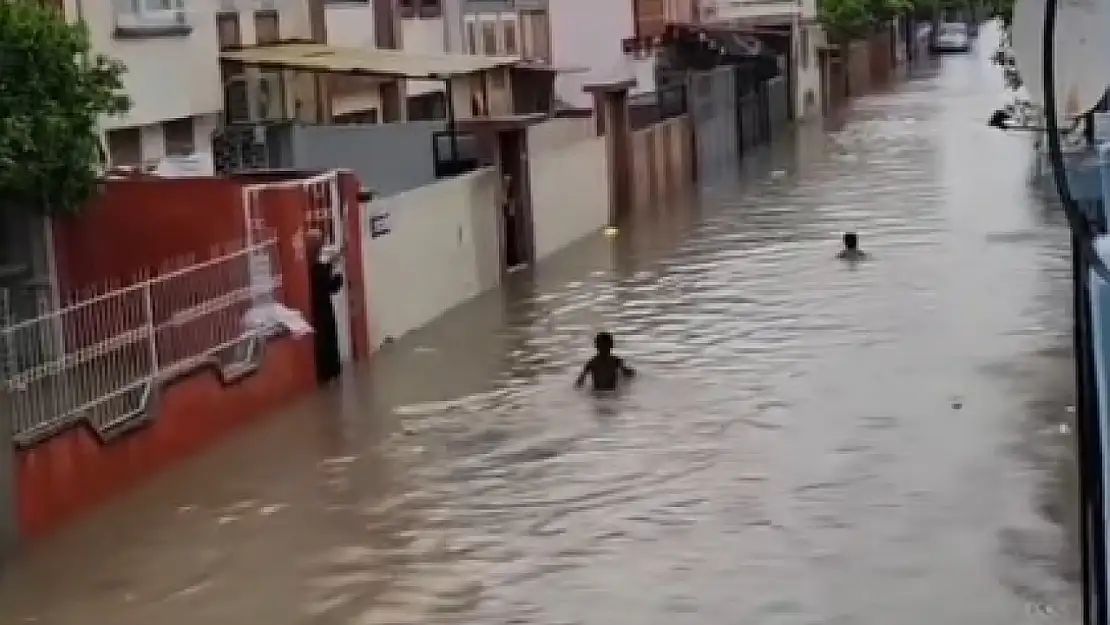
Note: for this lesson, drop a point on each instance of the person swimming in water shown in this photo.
(851, 249)
(604, 368)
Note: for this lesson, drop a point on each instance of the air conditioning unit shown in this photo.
(266, 5)
(229, 6)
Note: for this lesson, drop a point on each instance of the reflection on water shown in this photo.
(809, 442)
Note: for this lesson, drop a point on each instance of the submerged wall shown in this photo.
(57, 475)
(570, 190)
(428, 250)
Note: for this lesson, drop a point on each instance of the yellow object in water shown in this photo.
(611, 231)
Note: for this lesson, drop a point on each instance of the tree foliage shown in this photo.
(53, 92)
(844, 20)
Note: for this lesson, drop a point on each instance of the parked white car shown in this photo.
(952, 37)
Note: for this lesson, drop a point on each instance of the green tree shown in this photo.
(845, 20)
(53, 92)
(1002, 10)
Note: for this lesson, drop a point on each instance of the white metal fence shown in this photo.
(101, 358)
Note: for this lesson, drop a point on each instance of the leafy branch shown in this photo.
(53, 94)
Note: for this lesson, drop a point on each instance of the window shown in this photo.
(538, 37)
(803, 53)
(125, 147)
(142, 18)
(408, 8)
(510, 37)
(472, 38)
(271, 100)
(228, 31)
(430, 9)
(237, 106)
(267, 28)
(489, 38)
(179, 138)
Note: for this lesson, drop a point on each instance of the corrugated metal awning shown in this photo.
(316, 57)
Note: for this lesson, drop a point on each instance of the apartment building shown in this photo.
(170, 51)
(798, 18)
(355, 24)
(179, 90)
(589, 36)
(251, 95)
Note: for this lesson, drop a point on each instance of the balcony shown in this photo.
(143, 19)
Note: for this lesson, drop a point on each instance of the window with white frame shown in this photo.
(493, 34)
(150, 13)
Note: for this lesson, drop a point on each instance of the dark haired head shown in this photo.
(851, 240)
(603, 342)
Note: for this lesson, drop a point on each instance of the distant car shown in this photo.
(952, 37)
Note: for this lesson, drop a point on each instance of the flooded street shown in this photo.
(808, 441)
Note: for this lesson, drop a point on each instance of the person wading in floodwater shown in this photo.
(325, 282)
(851, 249)
(604, 368)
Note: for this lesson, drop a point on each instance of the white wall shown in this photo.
(570, 192)
(587, 34)
(809, 77)
(350, 24)
(167, 77)
(423, 36)
(442, 250)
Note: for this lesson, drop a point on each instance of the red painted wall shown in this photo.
(67, 475)
(134, 225)
(137, 225)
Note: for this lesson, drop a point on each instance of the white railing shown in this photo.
(101, 358)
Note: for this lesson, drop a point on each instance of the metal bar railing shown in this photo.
(99, 359)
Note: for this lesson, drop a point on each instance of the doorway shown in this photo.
(515, 200)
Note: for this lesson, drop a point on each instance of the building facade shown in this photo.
(587, 39)
(180, 93)
(169, 48)
(800, 16)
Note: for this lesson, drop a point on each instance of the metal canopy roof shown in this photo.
(365, 61)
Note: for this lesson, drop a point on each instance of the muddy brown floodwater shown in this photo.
(809, 442)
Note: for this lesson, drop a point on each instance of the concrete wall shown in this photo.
(350, 24)
(662, 161)
(558, 133)
(570, 192)
(859, 68)
(441, 249)
(712, 103)
(387, 158)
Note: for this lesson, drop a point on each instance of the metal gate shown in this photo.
(324, 212)
(712, 105)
